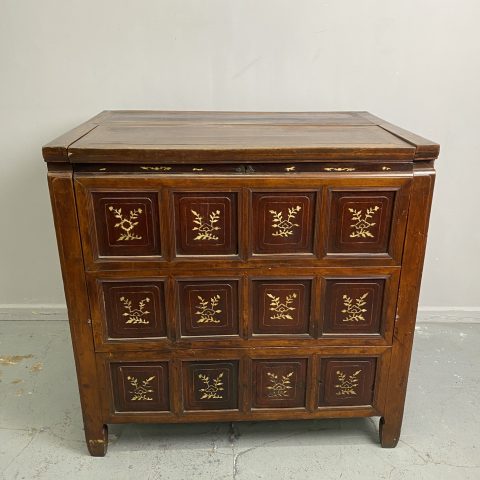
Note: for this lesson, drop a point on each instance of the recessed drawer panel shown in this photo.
(325, 306)
(126, 223)
(210, 385)
(279, 383)
(321, 221)
(281, 306)
(347, 381)
(283, 222)
(205, 223)
(140, 387)
(354, 306)
(364, 222)
(208, 307)
(246, 380)
(128, 309)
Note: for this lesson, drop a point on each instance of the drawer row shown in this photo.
(246, 382)
(167, 223)
(175, 309)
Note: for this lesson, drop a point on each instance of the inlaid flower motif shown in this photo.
(347, 385)
(141, 389)
(126, 224)
(362, 222)
(207, 310)
(281, 310)
(207, 228)
(354, 309)
(284, 226)
(279, 386)
(212, 388)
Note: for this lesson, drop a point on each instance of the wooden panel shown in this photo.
(62, 196)
(283, 222)
(279, 383)
(243, 132)
(360, 221)
(208, 307)
(281, 306)
(353, 306)
(140, 387)
(347, 381)
(205, 223)
(126, 223)
(409, 290)
(210, 385)
(134, 309)
(210, 185)
(242, 361)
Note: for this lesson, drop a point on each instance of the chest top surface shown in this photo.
(227, 137)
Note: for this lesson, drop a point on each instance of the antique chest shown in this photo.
(225, 266)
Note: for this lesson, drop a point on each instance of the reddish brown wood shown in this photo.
(230, 136)
(419, 214)
(223, 266)
(341, 376)
(70, 252)
(279, 383)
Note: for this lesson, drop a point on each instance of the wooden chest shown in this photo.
(240, 266)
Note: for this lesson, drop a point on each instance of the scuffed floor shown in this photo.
(41, 433)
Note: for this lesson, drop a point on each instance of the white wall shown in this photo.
(414, 62)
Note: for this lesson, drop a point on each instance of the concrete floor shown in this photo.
(41, 433)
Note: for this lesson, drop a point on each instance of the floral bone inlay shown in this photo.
(279, 387)
(205, 229)
(362, 222)
(206, 309)
(135, 315)
(157, 169)
(212, 388)
(339, 169)
(284, 226)
(141, 390)
(354, 310)
(281, 309)
(347, 384)
(126, 224)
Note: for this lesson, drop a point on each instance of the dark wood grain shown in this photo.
(223, 266)
(137, 137)
(71, 260)
(409, 290)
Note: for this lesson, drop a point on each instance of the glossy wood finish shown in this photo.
(224, 266)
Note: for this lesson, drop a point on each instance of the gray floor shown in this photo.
(41, 433)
